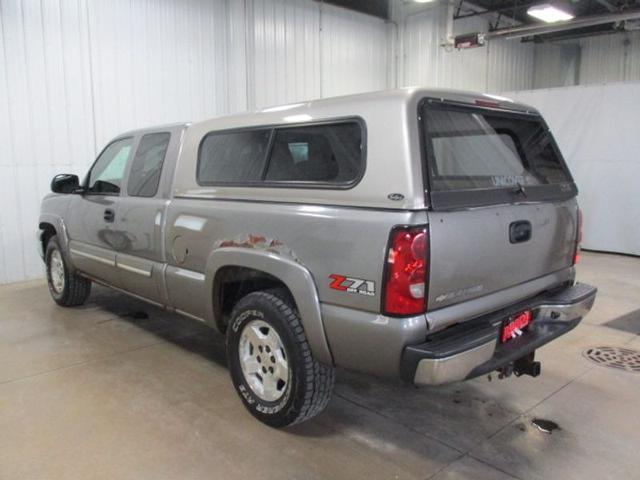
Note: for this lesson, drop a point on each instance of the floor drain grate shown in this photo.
(615, 357)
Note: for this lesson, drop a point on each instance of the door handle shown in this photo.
(109, 215)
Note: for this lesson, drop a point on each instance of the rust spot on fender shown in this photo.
(259, 242)
(256, 239)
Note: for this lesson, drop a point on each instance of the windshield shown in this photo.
(471, 149)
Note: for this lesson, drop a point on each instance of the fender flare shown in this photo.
(61, 232)
(295, 276)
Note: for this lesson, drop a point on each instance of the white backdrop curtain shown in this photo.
(598, 130)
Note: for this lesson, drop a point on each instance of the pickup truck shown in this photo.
(430, 235)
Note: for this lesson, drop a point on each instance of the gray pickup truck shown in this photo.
(424, 234)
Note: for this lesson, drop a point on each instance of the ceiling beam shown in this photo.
(530, 30)
(503, 10)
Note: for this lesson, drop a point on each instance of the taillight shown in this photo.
(576, 251)
(405, 286)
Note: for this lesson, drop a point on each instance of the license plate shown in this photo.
(515, 325)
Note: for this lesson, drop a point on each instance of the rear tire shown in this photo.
(66, 288)
(271, 364)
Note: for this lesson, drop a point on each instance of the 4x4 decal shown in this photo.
(352, 285)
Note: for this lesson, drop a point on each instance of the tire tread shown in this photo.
(320, 378)
(77, 288)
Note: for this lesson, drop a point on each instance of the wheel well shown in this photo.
(48, 232)
(232, 283)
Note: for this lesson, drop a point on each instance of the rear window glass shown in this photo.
(318, 154)
(232, 157)
(472, 148)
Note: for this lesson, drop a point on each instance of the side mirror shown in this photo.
(65, 183)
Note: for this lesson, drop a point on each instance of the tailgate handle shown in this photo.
(520, 231)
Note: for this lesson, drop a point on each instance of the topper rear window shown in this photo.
(477, 156)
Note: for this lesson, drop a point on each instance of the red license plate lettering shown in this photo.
(515, 326)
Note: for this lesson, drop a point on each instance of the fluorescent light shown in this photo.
(549, 13)
(423, 1)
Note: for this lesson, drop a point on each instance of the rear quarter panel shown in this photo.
(326, 240)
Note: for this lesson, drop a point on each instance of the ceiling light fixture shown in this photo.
(423, 1)
(549, 13)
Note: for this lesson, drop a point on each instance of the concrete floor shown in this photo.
(102, 392)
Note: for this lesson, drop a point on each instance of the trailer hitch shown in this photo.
(523, 366)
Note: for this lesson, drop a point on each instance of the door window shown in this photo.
(147, 165)
(108, 171)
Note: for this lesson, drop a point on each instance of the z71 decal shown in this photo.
(352, 285)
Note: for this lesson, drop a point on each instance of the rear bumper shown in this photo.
(471, 349)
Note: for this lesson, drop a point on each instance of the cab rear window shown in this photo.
(482, 156)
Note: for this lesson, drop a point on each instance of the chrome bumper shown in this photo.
(454, 368)
(446, 359)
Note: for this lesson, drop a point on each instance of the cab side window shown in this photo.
(147, 165)
(108, 171)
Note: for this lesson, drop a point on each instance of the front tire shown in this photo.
(271, 364)
(66, 288)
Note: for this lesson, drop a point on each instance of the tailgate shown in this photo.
(472, 253)
(503, 202)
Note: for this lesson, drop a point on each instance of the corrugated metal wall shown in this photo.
(46, 117)
(285, 51)
(353, 60)
(500, 66)
(590, 60)
(73, 74)
(610, 58)
(302, 49)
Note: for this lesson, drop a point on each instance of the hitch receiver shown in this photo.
(527, 366)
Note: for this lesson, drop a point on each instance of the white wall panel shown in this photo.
(510, 66)
(596, 129)
(302, 49)
(421, 62)
(284, 42)
(45, 118)
(600, 59)
(610, 58)
(76, 73)
(556, 65)
(501, 65)
(156, 61)
(73, 74)
(354, 52)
